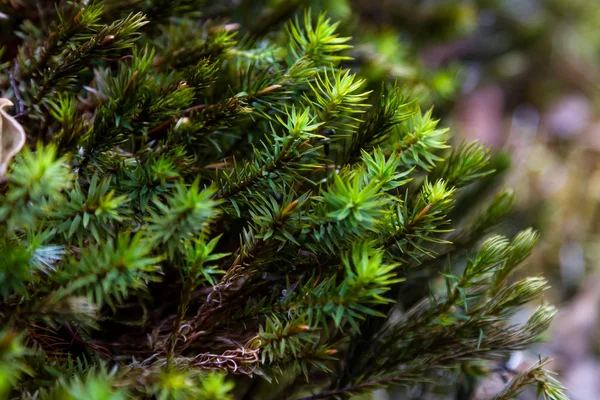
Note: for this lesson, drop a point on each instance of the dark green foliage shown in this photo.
(202, 200)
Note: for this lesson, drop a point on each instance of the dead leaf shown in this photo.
(12, 136)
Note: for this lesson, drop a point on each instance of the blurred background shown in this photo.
(522, 76)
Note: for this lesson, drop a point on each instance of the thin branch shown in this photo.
(15, 88)
(161, 128)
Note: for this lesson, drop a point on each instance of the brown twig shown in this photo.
(161, 127)
(100, 349)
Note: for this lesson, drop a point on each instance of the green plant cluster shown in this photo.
(203, 202)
